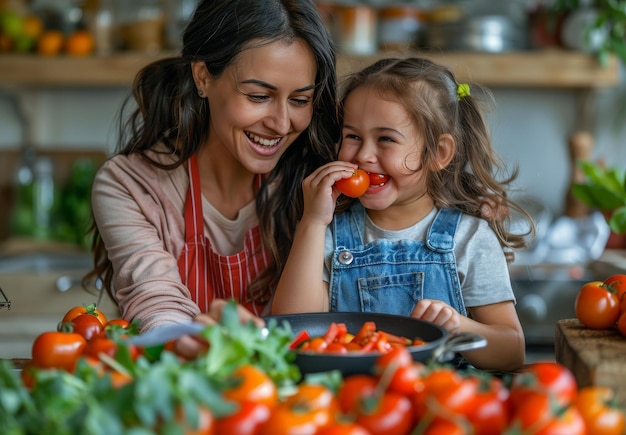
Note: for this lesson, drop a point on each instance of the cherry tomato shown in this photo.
(445, 389)
(488, 412)
(246, 420)
(443, 426)
(540, 377)
(342, 427)
(87, 325)
(390, 413)
(55, 349)
(354, 186)
(82, 309)
(286, 420)
(618, 283)
(540, 415)
(378, 179)
(599, 410)
(313, 396)
(596, 306)
(100, 344)
(403, 374)
(122, 323)
(249, 383)
(306, 412)
(354, 389)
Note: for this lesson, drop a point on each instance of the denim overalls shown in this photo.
(390, 277)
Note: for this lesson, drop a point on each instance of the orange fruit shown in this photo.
(79, 43)
(32, 26)
(50, 43)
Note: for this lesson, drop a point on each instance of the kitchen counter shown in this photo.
(595, 357)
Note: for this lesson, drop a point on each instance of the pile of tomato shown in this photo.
(602, 305)
(400, 396)
(406, 397)
(84, 331)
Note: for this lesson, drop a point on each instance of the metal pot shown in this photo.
(440, 345)
(490, 33)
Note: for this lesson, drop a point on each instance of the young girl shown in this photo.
(415, 243)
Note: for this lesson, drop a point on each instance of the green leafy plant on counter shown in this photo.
(604, 189)
(86, 402)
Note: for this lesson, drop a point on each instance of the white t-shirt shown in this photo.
(480, 261)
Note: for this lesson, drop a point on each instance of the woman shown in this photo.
(201, 200)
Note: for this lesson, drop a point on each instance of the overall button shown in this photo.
(346, 257)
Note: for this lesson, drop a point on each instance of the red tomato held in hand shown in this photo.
(378, 179)
(596, 306)
(354, 186)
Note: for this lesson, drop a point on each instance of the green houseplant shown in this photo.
(610, 22)
(604, 189)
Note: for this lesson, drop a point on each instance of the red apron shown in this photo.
(207, 274)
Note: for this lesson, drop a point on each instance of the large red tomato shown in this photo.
(596, 306)
(60, 350)
(354, 186)
(618, 284)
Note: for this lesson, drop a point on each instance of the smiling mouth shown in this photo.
(264, 142)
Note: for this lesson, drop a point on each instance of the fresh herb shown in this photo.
(604, 190)
(86, 402)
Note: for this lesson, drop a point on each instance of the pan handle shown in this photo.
(459, 343)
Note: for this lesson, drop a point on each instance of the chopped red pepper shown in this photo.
(301, 337)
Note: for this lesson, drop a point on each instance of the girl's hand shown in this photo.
(438, 312)
(319, 194)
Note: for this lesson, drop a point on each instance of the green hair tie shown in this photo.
(462, 90)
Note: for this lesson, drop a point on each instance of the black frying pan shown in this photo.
(439, 346)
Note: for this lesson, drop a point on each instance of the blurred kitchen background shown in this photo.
(550, 109)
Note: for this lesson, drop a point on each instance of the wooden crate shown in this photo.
(596, 357)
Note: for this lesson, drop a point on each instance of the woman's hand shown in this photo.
(438, 312)
(190, 346)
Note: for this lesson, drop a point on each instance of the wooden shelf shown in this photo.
(554, 69)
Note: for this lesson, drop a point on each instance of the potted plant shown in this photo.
(604, 189)
(605, 32)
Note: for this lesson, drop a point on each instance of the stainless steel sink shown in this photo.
(546, 294)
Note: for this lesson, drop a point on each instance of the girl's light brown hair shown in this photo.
(476, 175)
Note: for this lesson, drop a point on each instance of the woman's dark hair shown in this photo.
(165, 108)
